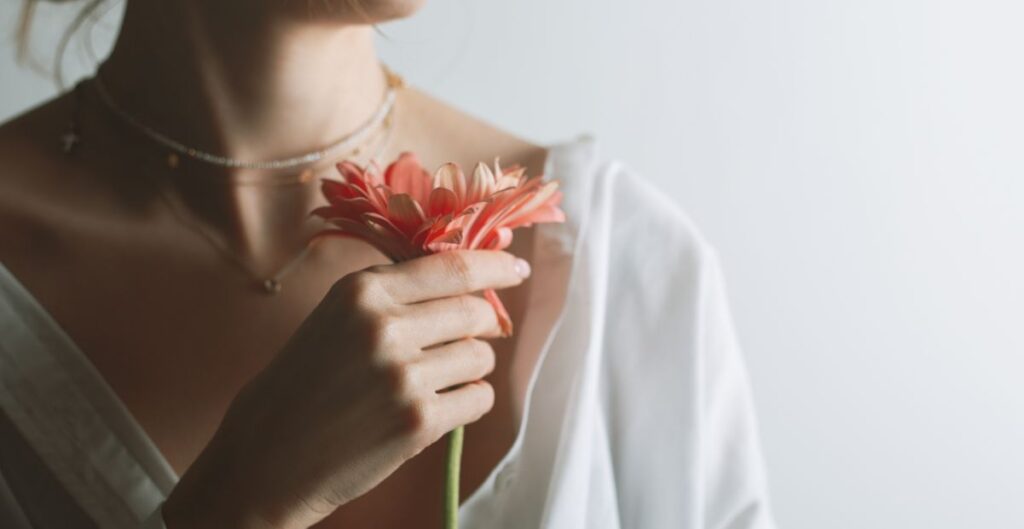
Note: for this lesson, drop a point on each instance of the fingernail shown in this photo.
(522, 267)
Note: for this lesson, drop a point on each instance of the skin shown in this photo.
(321, 405)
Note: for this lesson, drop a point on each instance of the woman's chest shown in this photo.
(177, 351)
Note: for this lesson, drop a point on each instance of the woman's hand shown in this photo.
(355, 393)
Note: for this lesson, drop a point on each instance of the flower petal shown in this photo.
(383, 225)
(445, 241)
(389, 246)
(480, 184)
(498, 239)
(406, 175)
(333, 189)
(405, 213)
(449, 176)
(503, 318)
(442, 202)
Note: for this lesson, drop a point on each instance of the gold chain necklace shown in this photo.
(392, 83)
(269, 285)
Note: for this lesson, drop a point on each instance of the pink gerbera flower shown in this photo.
(408, 212)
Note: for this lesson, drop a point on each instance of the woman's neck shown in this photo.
(235, 81)
(231, 78)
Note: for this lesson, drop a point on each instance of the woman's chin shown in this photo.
(364, 11)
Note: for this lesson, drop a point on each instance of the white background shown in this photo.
(859, 165)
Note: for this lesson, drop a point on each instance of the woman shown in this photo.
(162, 315)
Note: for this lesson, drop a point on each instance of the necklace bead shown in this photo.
(271, 286)
(68, 142)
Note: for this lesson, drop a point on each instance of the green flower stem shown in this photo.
(451, 479)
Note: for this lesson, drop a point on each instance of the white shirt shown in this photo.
(637, 413)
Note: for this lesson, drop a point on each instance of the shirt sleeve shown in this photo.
(155, 520)
(684, 434)
(735, 486)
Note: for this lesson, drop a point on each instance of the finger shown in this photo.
(452, 273)
(454, 363)
(465, 404)
(442, 320)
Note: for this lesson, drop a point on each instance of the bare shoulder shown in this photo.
(29, 140)
(444, 132)
(31, 165)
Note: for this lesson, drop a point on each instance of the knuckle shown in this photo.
(381, 330)
(411, 383)
(377, 269)
(483, 354)
(457, 267)
(358, 288)
(399, 379)
(486, 400)
(466, 308)
(418, 421)
(413, 417)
